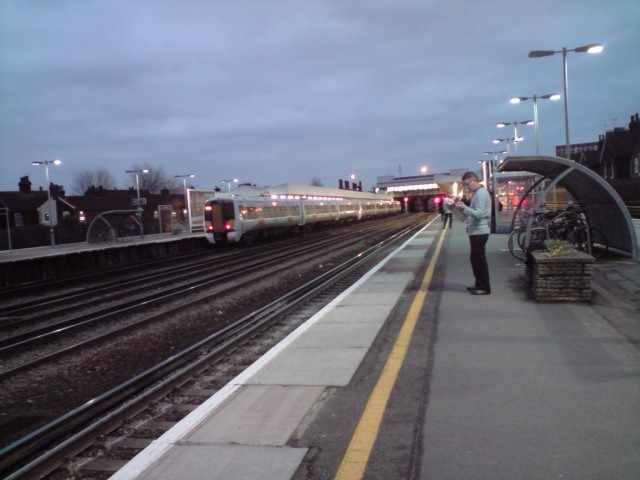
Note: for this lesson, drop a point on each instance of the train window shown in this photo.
(228, 213)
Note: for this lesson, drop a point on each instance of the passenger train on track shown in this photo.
(231, 219)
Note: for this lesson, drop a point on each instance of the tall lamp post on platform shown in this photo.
(591, 48)
(549, 96)
(229, 182)
(139, 203)
(515, 129)
(507, 140)
(49, 206)
(184, 189)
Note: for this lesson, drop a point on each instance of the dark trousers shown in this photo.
(446, 216)
(479, 263)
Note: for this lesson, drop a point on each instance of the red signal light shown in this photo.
(437, 199)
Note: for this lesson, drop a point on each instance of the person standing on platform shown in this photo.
(446, 213)
(477, 214)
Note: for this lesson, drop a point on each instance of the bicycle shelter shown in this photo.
(603, 206)
(112, 225)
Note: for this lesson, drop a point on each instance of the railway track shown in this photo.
(80, 427)
(181, 282)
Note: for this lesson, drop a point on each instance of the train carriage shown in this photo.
(324, 211)
(231, 219)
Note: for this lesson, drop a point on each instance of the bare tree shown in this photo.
(104, 179)
(82, 181)
(155, 180)
(316, 182)
(86, 179)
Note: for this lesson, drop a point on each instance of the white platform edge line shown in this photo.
(152, 453)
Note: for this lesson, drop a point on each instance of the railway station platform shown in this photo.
(407, 376)
(46, 263)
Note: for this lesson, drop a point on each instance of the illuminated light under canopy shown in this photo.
(406, 188)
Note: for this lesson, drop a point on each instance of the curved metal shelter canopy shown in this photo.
(604, 208)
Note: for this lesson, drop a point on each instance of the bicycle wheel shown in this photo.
(599, 243)
(514, 245)
(537, 237)
(578, 239)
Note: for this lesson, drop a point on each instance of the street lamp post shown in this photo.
(495, 154)
(591, 48)
(515, 140)
(137, 172)
(229, 182)
(46, 172)
(549, 96)
(186, 197)
(515, 129)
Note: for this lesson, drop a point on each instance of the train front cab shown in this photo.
(219, 220)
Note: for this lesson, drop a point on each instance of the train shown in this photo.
(235, 219)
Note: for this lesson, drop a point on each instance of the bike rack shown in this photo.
(101, 217)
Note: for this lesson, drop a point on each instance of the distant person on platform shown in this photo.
(446, 213)
(477, 214)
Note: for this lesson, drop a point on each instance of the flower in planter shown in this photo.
(559, 248)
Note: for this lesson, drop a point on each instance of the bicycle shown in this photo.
(569, 226)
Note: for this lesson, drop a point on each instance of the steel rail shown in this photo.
(64, 328)
(79, 294)
(161, 378)
(21, 341)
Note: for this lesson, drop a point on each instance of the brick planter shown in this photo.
(555, 279)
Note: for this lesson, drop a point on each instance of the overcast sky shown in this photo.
(277, 91)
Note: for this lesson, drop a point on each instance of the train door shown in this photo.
(219, 219)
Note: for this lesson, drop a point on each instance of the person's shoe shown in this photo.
(479, 292)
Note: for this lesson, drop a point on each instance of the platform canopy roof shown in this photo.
(604, 208)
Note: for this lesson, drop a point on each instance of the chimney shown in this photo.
(25, 185)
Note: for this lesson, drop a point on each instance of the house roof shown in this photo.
(101, 201)
(22, 202)
(621, 143)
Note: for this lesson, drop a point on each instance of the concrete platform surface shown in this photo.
(492, 387)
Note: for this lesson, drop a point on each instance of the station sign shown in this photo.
(136, 202)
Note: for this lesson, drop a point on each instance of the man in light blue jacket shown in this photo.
(478, 215)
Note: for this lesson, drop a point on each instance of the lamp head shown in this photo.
(501, 125)
(517, 99)
(540, 53)
(591, 48)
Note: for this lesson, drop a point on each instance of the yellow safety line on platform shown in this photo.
(357, 455)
